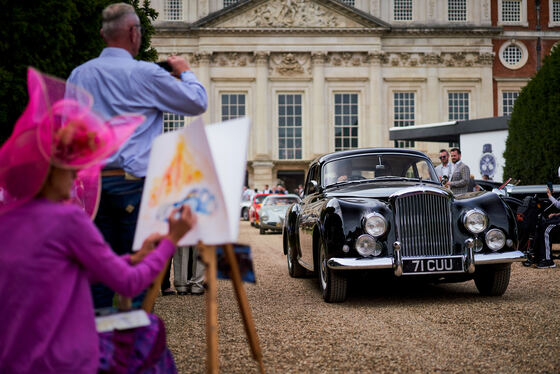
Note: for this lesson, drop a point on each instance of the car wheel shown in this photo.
(333, 283)
(245, 214)
(492, 280)
(261, 231)
(294, 268)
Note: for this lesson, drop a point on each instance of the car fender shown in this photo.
(289, 229)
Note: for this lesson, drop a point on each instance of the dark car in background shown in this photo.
(383, 210)
(273, 211)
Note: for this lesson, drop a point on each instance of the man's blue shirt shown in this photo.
(120, 84)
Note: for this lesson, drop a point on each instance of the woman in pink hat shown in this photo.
(51, 250)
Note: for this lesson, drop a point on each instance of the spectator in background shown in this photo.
(542, 250)
(443, 170)
(460, 174)
(267, 189)
(188, 271)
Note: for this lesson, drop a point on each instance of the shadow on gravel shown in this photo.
(385, 290)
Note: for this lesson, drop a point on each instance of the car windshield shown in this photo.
(259, 199)
(279, 201)
(378, 166)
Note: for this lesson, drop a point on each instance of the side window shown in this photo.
(311, 175)
(420, 169)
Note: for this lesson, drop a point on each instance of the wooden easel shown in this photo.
(208, 254)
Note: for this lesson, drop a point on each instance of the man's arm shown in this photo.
(158, 88)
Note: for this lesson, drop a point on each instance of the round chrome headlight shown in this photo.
(495, 239)
(475, 221)
(375, 224)
(366, 245)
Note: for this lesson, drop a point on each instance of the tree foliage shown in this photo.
(533, 145)
(54, 36)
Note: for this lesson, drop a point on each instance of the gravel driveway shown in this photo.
(381, 328)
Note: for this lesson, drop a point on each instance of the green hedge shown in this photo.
(533, 145)
(53, 36)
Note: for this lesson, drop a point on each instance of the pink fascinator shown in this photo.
(58, 127)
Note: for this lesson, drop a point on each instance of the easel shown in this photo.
(208, 254)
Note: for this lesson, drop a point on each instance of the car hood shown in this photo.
(374, 189)
(281, 209)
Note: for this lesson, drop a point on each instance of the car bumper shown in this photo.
(356, 263)
(272, 226)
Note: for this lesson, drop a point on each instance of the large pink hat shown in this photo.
(58, 127)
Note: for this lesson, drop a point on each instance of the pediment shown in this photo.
(290, 14)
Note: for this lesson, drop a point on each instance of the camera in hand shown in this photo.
(165, 65)
(444, 180)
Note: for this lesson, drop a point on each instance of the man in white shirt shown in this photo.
(443, 169)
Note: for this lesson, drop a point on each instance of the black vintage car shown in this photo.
(375, 209)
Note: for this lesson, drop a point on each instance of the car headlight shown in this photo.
(366, 245)
(375, 224)
(495, 239)
(475, 221)
(264, 217)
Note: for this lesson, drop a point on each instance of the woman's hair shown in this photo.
(112, 19)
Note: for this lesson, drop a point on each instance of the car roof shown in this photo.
(360, 151)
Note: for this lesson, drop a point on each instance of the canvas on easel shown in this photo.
(204, 167)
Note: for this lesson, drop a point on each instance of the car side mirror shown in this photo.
(312, 186)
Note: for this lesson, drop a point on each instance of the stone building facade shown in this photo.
(316, 76)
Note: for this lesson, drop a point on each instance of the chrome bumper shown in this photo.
(351, 263)
(355, 263)
(499, 258)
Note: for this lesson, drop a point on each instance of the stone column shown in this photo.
(435, 103)
(262, 174)
(262, 126)
(486, 85)
(203, 75)
(318, 144)
(262, 136)
(376, 132)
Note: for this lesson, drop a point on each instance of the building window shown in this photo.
(345, 121)
(511, 11)
(289, 126)
(458, 106)
(554, 13)
(173, 10)
(513, 54)
(402, 10)
(230, 2)
(172, 121)
(348, 2)
(233, 106)
(457, 10)
(403, 114)
(508, 99)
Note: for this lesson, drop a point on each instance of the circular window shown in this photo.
(513, 54)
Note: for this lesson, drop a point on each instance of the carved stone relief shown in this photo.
(232, 59)
(290, 64)
(347, 58)
(299, 63)
(289, 13)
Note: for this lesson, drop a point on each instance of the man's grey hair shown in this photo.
(113, 18)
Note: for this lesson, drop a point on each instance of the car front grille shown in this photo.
(424, 224)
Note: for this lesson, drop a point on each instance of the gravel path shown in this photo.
(382, 328)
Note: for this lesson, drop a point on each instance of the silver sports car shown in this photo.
(273, 211)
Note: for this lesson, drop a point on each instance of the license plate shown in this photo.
(433, 265)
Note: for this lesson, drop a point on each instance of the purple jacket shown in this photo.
(50, 253)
